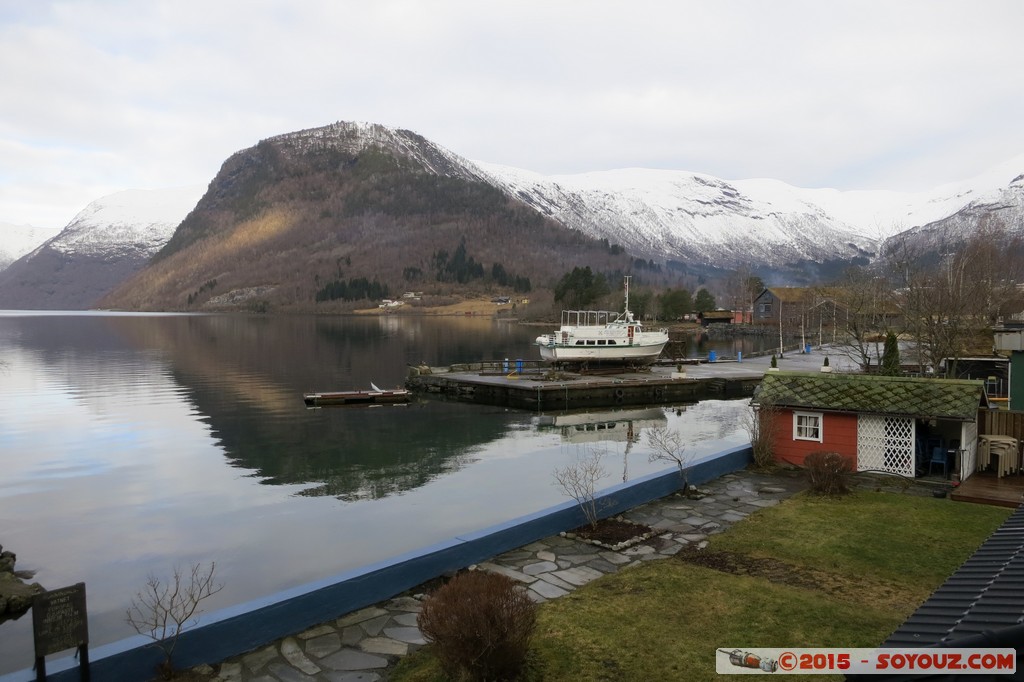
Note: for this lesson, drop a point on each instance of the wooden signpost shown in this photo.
(59, 622)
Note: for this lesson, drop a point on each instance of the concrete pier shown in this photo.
(535, 385)
(538, 388)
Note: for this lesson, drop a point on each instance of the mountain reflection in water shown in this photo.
(134, 443)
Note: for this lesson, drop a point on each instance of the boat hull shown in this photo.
(637, 353)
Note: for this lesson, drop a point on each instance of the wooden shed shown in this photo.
(716, 317)
(893, 424)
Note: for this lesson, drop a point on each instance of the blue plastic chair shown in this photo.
(939, 456)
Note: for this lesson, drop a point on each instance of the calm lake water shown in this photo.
(131, 443)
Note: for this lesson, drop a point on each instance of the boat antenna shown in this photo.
(627, 278)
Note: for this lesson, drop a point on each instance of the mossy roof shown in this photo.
(867, 393)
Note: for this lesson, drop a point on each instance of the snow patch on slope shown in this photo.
(133, 220)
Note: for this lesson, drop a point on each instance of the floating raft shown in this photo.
(398, 395)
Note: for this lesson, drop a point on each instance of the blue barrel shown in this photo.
(505, 366)
(712, 356)
(807, 348)
(739, 356)
(519, 365)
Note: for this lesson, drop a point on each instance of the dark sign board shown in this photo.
(59, 620)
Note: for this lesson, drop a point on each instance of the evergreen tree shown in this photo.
(675, 303)
(640, 302)
(890, 357)
(459, 267)
(704, 301)
(580, 288)
(499, 274)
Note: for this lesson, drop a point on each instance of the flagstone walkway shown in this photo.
(362, 646)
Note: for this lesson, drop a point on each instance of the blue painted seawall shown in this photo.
(244, 627)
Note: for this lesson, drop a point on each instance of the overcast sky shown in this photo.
(102, 95)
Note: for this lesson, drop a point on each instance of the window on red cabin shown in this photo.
(807, 426)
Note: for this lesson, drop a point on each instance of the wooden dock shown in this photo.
(539, 388)
(987, 488)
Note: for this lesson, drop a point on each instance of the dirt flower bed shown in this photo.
(612, 533)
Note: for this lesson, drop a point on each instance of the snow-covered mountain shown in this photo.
(1000, 207)
(784, 233)
(694, 218)
(689, 217)
(107, 241)
(699, 219)
(17, 240)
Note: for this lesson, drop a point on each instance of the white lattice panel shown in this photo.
(870, 442)
(885, 444)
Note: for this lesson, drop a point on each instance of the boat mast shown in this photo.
(627, 277)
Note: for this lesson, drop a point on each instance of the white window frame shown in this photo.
(818, 426)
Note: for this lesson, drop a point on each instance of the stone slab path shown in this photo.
(362, 646)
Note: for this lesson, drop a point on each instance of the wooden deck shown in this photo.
(986, 488)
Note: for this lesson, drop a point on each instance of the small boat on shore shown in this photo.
(372, 397)
(602, 336)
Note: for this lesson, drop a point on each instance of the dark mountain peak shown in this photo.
(338, 161)
(352, 139)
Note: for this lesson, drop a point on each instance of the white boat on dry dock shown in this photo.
(602, 336)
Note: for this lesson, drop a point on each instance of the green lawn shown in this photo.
(909, 541)
(822, 572)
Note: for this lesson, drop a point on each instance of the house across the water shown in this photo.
(716, 317)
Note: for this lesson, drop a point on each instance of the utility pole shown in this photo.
(780, 327)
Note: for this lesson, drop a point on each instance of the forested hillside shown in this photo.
(329, 221)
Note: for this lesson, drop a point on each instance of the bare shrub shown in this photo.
(667, 446)
(480, 624)
(163, 610)
(579, 481)
(828, 473)
(762, 425)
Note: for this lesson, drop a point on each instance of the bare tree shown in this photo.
(762, 425)
(579, 481)
(163, 610)
(867, 310)
(741, 287)
(951, 293)
(667, 446)
(994, 255)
